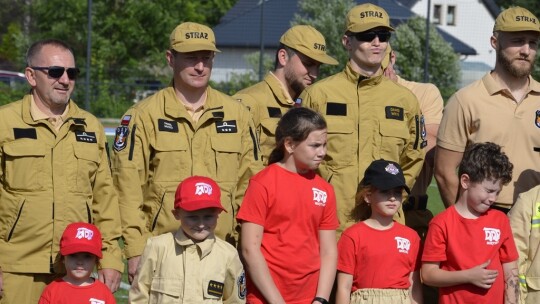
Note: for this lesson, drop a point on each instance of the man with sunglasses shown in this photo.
(54, 171)
(301, 52)
(183, 130)
(369, 116)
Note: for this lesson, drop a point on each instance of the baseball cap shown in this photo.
(192, 37)
(81, 237)
(308, 41)
(385, 175)
(516, 19)
(366, 16)
(198, 192)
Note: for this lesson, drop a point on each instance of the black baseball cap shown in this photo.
(385, 175)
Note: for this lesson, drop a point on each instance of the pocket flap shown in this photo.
(24, 148)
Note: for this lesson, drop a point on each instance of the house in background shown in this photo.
(239, 32)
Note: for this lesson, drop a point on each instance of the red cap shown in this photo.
(197, 192)
(81, 237)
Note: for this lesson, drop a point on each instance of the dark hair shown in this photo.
(35, 49)
(296, 124)
(361, 210)
(483, 161)
(290, 51)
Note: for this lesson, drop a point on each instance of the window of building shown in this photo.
(451, 15)
(437, 13)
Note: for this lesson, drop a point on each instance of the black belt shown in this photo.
(416, 202)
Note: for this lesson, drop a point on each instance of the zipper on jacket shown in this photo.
(16, 221)
(417, 139)
(132, 145)
(89, 213)
(255, 147)
(154, 222)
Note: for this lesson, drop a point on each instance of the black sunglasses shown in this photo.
(384, 36)
(58, 71)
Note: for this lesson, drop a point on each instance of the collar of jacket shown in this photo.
(73, 110)
(174, 107)
(361, 80)
(205, 247)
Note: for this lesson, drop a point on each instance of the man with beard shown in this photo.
(503, 107)
(301, 52)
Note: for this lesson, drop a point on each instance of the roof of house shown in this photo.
(241, 25)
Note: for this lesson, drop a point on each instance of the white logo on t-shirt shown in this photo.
(493, 235)
(84, 233)
(203, 188)
(319, 197)
(96, 301)
(403, 244)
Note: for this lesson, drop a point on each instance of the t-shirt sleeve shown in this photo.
(508, 251)
(417, 253)
(435, 244)
(254, 207)
(330, 220)
(346, 254)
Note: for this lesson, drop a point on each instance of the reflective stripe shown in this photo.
(522, 280)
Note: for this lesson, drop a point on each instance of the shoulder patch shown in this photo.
(120, 138)
(215, 288)
(125, 120)
(241, 282)
(227, 126)
(83, 136)
(393, 112)
(168, 125)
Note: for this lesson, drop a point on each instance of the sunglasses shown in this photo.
(384, 36)
(58, 71)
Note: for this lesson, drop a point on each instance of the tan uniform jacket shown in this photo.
(525, 222)
(174, 269)
(267, 103)
(368, 119)
(50, 179)
(157, 146)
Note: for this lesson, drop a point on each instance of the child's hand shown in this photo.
(482, 277)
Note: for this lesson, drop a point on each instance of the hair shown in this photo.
(296, 124)
(361, 210)
(290, 52)
(35, 49)
(483, 161)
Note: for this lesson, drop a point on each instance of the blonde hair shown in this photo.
(361, 210)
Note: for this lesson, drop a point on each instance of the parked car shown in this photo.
(12, 79)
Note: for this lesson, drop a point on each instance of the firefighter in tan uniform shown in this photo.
(503, 107)
(183, 130)
(54, 171)
(525, 222)
(369, 116)
(191, 265)
(301, 51)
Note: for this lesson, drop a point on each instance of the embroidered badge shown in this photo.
(394, 113)
(215, 288)
(390, 168)
(242, 289)
(168, 125)
(83, 136)
(227, 126)
(125, 120)
(96, 301)
(537, 119)
(403, 244)
(423, 127)
(120, 138)
(319, 197)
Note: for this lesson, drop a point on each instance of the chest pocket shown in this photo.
(25, 168)
(86, 166)
(394, 135)
(227, 149)
(342, 140)
(267, 136)
(171, 157)
(166, 290)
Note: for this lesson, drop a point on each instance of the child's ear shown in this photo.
(464, 181)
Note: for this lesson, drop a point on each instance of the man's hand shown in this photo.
(482, 277)
(132, 267)
(110, 277)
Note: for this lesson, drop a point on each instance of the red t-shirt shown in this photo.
(292, 208)
(61, 292)
(379, 258)
(459, 243)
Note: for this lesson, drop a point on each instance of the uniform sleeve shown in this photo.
(431, 104)
(346, 254)
(454, 127)
(105, 210)
(130, 167)
(520, 221)
(412, 157)
(235, 282)
(140, 288)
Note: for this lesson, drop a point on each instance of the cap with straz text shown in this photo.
(366, 16)
(192, 37)
(516, 19)
(197, 192)
(308, 41)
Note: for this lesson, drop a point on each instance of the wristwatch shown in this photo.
(321, 300)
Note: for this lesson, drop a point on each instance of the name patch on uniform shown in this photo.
(394, 113)
(83, 136)
(168, 125)
(215, 288)
(227, 126)
(334, 108)
(120, 138)
(24, 133)
(274, 112)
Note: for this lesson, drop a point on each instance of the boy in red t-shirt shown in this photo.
(469, 252)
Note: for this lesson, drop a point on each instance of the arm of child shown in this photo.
(479, 276)
(328, 253)
(235, 282)
(415, 290)
(511, 284)
(344, 287)
(251, 238)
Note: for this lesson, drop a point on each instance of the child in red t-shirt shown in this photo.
(378, 257)
(80, 247)
(469, 251)
(288, 216)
